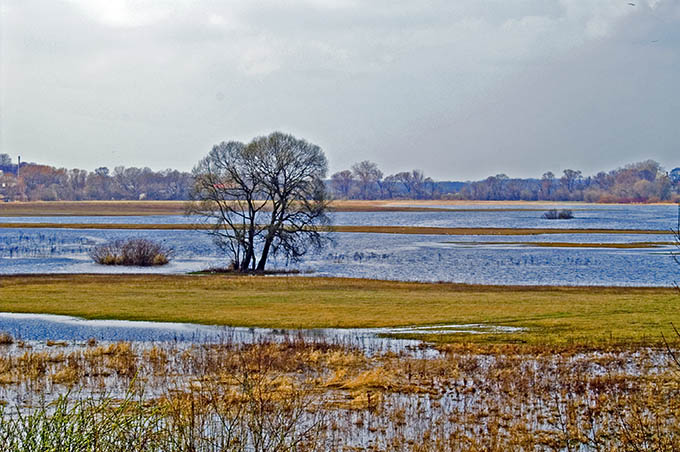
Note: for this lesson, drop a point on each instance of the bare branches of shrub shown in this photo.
(133, 252)
(554, 214)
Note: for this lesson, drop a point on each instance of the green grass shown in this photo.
(552, 315)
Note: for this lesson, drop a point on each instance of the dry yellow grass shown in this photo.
(551, 315)
(417, 230)
(506, 398)
(123, 208)
(425, 230)
(628, 245)
(92, 208)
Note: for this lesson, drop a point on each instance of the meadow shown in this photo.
(585, 316)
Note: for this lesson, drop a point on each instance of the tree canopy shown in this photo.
(266, 197)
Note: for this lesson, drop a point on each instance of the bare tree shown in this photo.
(413, 182)
(76, 183)
(342, 182)
(128, 181)
(570, 179)
(267, 195)
(224, 195)
(391, 185)
(292, 172)
(99, 184)
(175, 184)
(369, 176)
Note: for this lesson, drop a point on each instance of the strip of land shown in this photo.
(143, 208)
(552, 315)
(627, 245)
(418, 230)
(426, 230)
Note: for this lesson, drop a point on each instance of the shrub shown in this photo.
(6, 338)
(554, 214)
(140, 252)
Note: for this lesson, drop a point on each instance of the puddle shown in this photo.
(472, 328)
(45, 327)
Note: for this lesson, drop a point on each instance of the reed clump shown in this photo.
(132, 252)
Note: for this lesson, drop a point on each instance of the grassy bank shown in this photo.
(141, 208)
(628, 245)
(92, 208)
(417, 230)
(552, 315)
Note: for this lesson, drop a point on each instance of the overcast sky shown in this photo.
(461, 89)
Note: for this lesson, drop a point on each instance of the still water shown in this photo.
(585, 216)
(393, 256)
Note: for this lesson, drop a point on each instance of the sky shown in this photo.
(460, 89)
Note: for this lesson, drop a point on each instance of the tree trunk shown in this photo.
(265, 253)
(250, 247)
(246, 261)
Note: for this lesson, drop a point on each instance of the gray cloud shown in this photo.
(459, 89)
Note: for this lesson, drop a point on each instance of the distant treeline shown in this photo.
(638, 182)
(45, 183)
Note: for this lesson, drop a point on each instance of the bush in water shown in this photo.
(139, 252)
(553, 214)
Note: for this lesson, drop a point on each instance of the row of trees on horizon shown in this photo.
(37, 182)
(644, 181)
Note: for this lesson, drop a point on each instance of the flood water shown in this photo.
(40, 328)
(392, 256)
(615, 216)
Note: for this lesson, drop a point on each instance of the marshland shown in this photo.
(303, 395)
(549, 341)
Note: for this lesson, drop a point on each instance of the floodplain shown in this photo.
(556, 347)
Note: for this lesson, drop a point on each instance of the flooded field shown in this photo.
(489, 259)
(37, 328)
(311, 395)
(160, 386)
(498, 215)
